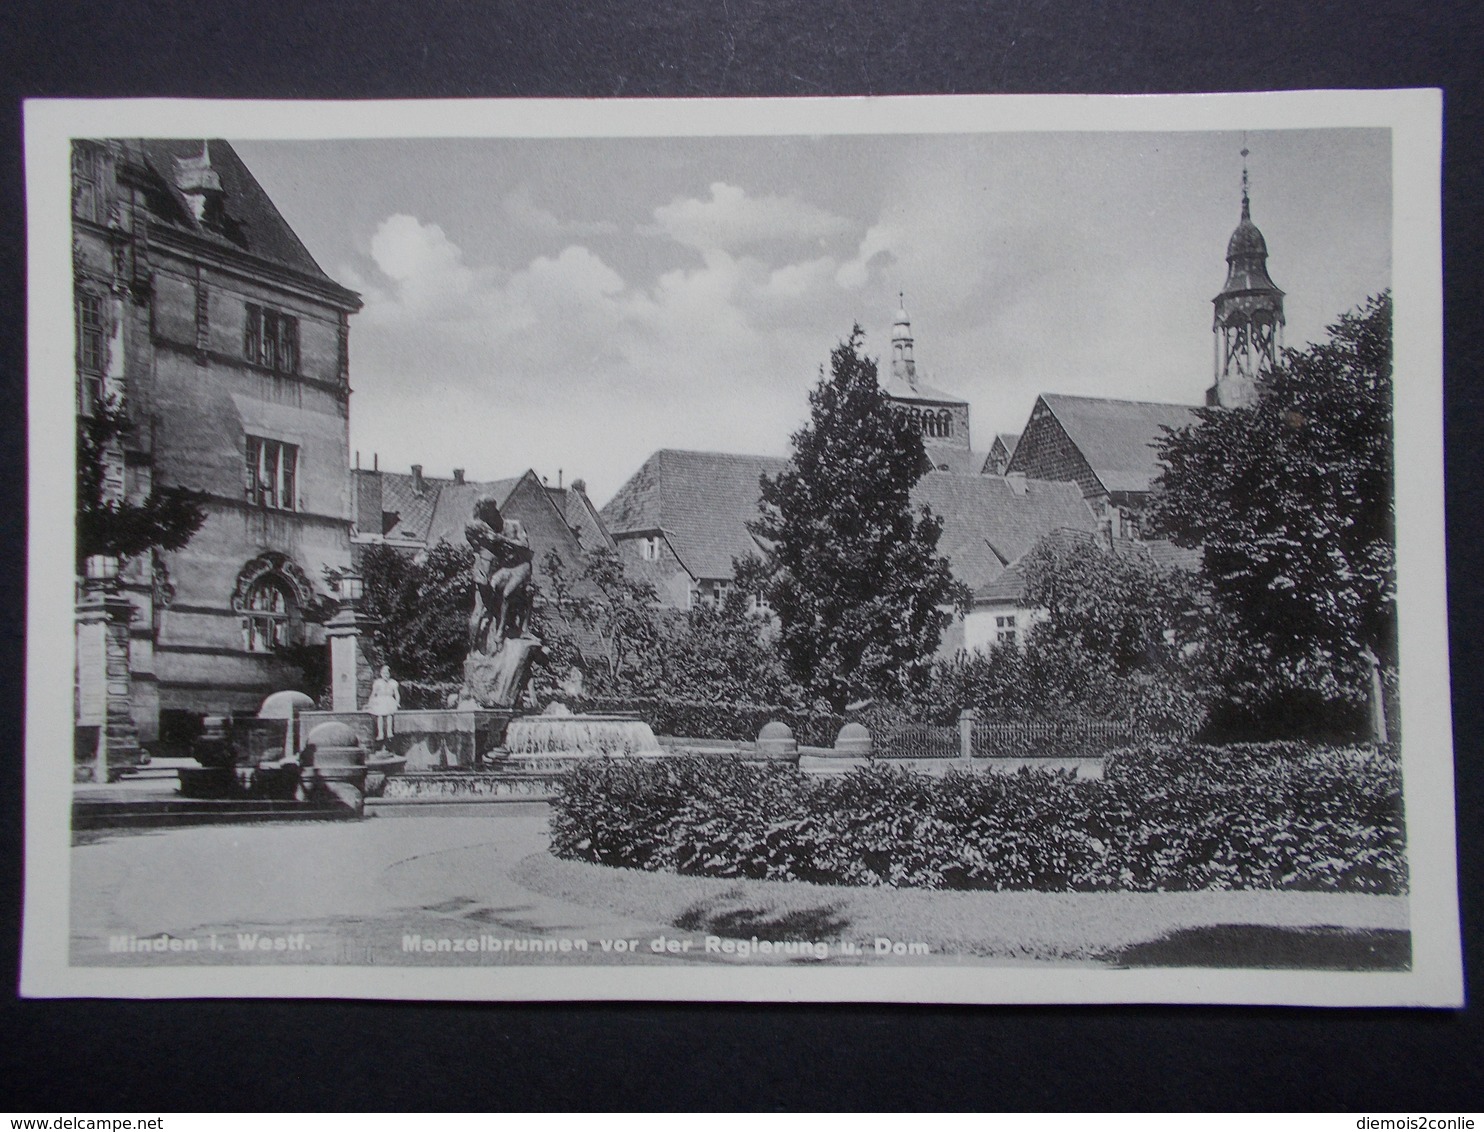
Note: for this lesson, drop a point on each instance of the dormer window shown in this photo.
(649, 548)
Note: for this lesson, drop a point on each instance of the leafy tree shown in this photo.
(1293, 502)
(854, 574)
(421, 608)
(1119, 608)
(718, 653)
(612, 622)
(165, 520)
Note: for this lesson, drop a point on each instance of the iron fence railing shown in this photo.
(1051, 737)
(918, 741)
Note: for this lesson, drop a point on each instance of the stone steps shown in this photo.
(152, 812)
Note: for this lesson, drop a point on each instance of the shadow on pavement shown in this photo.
(1263, 945)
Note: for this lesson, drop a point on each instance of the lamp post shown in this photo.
(352, 587)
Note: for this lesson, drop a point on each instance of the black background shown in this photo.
(101, 1055)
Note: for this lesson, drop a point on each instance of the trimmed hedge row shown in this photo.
(700, 720)
(1165, 818)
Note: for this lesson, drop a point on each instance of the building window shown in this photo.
(649, 548)
(272, 477)
(758, 606)
(268, 617)
(945, 423)
(271, 338)
(89, 191)
(91, 354)
(1005, 630)
(719, 591)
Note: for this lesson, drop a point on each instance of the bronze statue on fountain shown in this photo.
(501, 647)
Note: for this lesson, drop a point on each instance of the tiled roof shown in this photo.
(701, 500)
(960, 461)
(900, 389)
(583, 518)
(987, 521)
(1168, 556)
(456, 505)
(253, 223)
(407, 512)
(1119, 439)
(1010, 584)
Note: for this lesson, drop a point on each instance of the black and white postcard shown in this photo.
(979, 549)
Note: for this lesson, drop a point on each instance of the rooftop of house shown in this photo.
(247, 219)
(428, 509)
(989, 521)
(900, 389)
(702, 501)
(1009, 586)
(960, 461)
(1119, 439)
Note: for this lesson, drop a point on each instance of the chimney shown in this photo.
(458, 475)
(417, 479)
(368, 503)
(1017, 483)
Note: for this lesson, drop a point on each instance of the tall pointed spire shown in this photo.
(903, 367)
(1246, 198)
(1249, 319)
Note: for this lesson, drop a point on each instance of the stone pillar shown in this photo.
(1377, 704)
(966, 734)
(103, 692)
(349, 670)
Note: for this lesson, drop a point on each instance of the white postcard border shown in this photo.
(1414, 116)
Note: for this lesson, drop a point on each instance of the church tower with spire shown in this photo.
(942, 418)
(1248, 323)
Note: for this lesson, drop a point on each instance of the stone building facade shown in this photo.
(197, 305)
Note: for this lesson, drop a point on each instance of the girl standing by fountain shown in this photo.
(386, 699)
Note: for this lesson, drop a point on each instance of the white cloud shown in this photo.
(731, 220)
(426, 270)
(564, 362)
(879, 239)
(518, 208)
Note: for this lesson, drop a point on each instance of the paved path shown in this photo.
(353, 890)
(357, 892)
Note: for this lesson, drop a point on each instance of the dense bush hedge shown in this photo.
(1167, 817)
(719, 720)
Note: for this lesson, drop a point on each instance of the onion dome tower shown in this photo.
(1249, 315)
(903, 367)
(942, 418)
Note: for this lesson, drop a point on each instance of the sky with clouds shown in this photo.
(577, 304)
